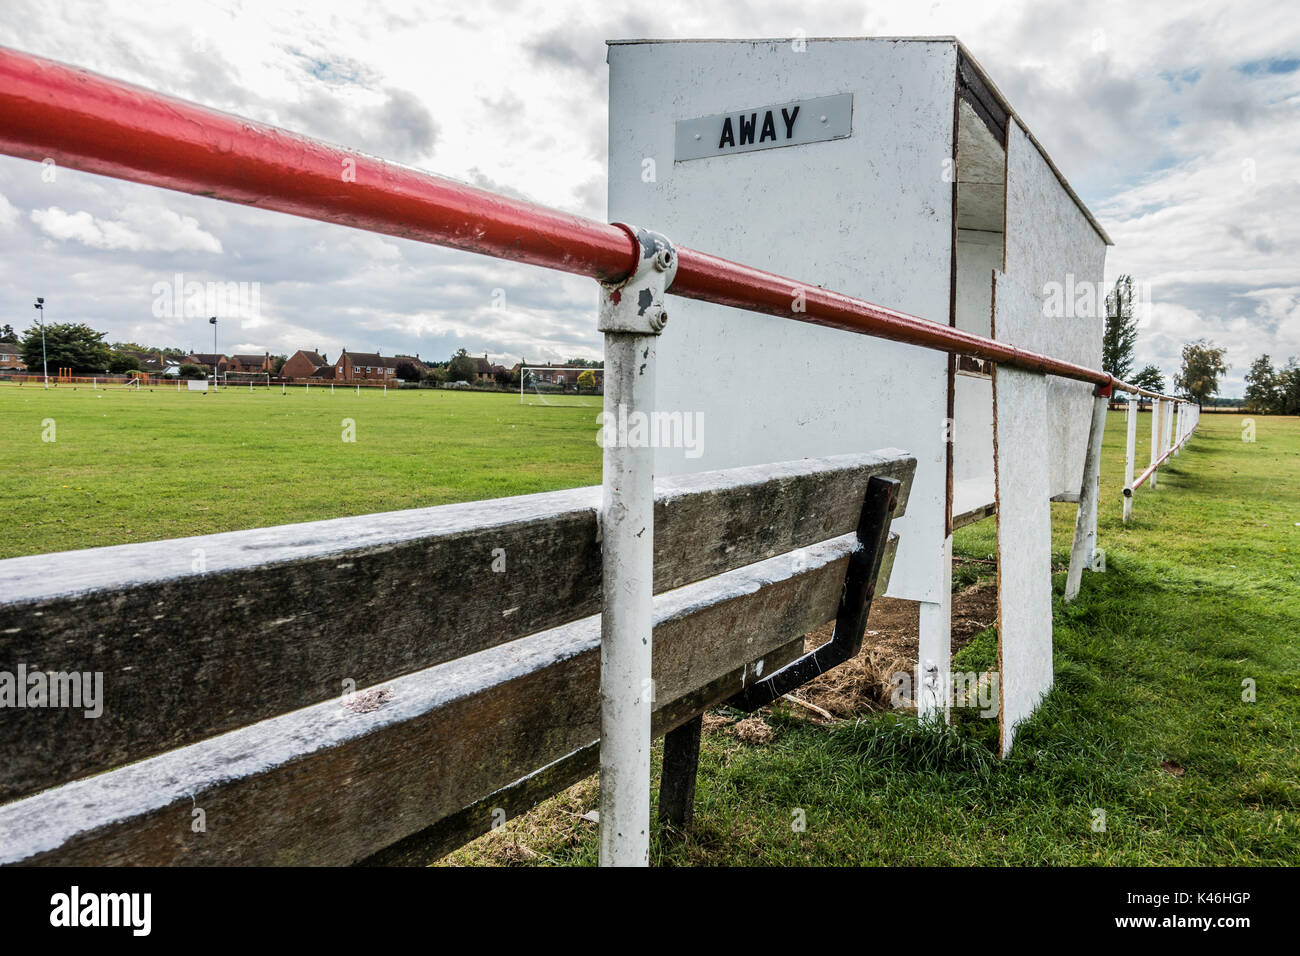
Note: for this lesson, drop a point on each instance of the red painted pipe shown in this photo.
(85, 121)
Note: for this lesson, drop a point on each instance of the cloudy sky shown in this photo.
(1177, 123)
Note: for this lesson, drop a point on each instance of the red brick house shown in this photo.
(219, 363)
(11, 357)
(364, 367)
(256, 364)
(550, 374)
(303, 364)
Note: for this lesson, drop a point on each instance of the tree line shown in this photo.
(1273, 391)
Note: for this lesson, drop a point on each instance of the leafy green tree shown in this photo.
(407, 372)
(1288, 388)
(1151, 379)
(462, 368)
(190, 370)
(7, 334)
(121, 363)
(1263, 386)
(1121, 330)
(587, 379)
(277, 364)
(1202, 365)
(71, 345)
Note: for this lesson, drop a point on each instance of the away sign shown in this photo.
(767, 127)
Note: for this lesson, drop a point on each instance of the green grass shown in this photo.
(1201, 592)
(141, 466)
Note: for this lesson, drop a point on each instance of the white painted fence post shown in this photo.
(1130, 452)
(1085, 527)
(1155, 441)
(1169, 429)
(631, 317)
(934, 652)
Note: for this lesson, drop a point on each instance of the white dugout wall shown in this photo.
(906, 180)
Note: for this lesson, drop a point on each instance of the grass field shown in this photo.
(140, 466)
(1147, 722)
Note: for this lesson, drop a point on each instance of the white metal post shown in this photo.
(631, 318)
(1130, 452)
(1169, 428)
(1178, 427)
(1085, 527)
(1155, 441)
(933, 692)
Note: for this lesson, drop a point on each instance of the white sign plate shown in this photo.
(766, 127)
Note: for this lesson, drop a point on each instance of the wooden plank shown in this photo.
(199, 636)
(338, 781)
(425, 846)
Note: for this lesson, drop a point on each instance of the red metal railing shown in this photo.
(85, 121)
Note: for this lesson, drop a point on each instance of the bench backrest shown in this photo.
(380, 688)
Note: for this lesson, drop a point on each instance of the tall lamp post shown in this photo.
(213, 322)
(45, 368)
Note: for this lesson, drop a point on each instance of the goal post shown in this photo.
(558, 386)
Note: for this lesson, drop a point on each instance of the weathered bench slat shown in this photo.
(199, 636)
(421, 848)
(339, 781)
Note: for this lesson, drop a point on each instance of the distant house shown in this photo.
(11, 357)
(303, 364)
(413, 361)
(551, 374)
(364, 367)
(217, 363)
(151, 363)
(254, 364)
(486, 371)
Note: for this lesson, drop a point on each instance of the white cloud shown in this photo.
(139, 228)
(8, 213)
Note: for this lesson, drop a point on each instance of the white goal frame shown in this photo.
(584, 401)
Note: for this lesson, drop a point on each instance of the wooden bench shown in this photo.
(384, 688)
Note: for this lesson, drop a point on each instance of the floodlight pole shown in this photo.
(215, 386)
(632, 316)
(45, 368)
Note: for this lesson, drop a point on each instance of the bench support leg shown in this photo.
(677, 783)
(855, 602)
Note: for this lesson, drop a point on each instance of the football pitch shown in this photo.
(84, 468)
